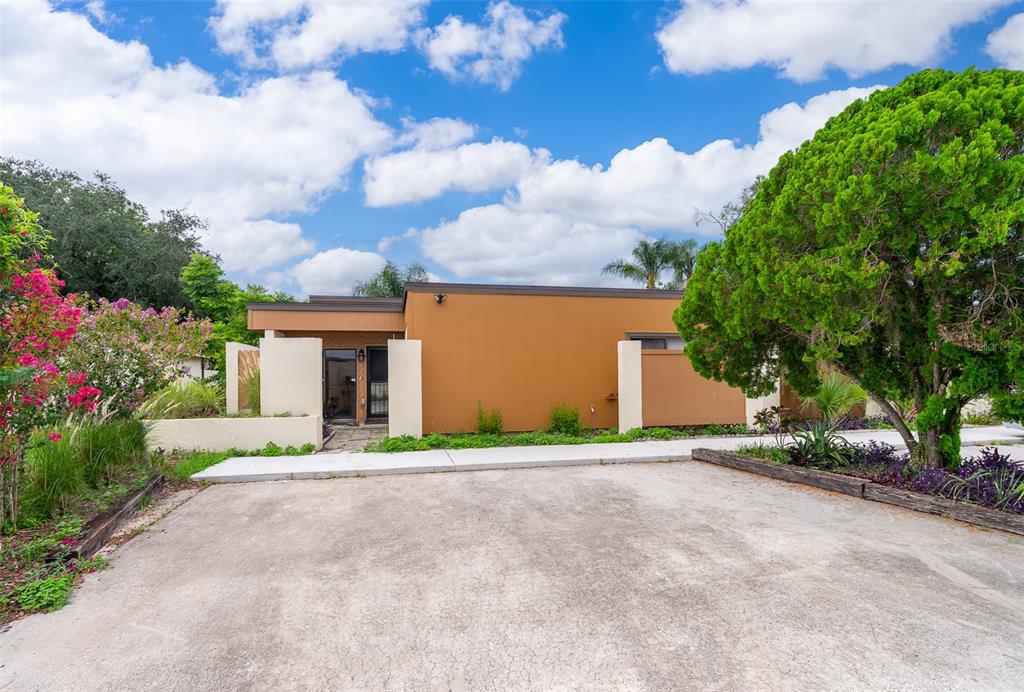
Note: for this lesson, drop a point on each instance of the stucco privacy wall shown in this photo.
(674, 394)
(631, 386)
(232, 350)
(524, 354)
(291, 376)
(222, 434)
(405, 385)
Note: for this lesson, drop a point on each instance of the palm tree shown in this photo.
(683, 258)
(390, 280)
(650, 259)
(836, 396)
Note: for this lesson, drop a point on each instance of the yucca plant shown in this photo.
(835, 398)
(819, 446)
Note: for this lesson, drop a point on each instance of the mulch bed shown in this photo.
(868, 490)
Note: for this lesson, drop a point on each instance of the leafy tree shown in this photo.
(390, 280)
(223, 302)
(890, 246)
(103, 243)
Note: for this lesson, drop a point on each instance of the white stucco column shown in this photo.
(405, 387)
(273, 334)
(231, 351)
(755, 405)
(631, 395)
(291, 376)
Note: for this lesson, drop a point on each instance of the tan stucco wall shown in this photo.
(405, 383)
(524, 354)
(674, 394)
(291, 376)
(630, 386)
(222, 434)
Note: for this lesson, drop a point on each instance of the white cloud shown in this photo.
(415, 175)
(492, 52)
(335, 271)
(805, 39)
(436, 133)
(300, 33)
(525, 247)
(75, 98)
(1006, 45)
(565, 220)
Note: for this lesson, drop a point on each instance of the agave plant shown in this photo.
(836, 396)
(819, 446)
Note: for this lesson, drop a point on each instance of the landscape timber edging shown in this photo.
(101, 527)
(864, 489)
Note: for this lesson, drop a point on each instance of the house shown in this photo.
(424, 363)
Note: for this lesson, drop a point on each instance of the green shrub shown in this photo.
(185, 398)
(981, 418)
(565, 419)
(109, 449)
(50, 593)
(55, 474)
(36, 549)
(835, 398)
(488, 422)
(271, 450)
(820, 447)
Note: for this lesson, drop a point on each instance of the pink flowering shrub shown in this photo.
(131, 352)
(36, 326)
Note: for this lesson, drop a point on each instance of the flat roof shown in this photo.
(516, 289)
(327, 303)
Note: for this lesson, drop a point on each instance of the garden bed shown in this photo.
(869, 490)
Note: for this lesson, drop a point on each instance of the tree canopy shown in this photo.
(890, 246)
(390, 280)
(103, 243)
(224, 303)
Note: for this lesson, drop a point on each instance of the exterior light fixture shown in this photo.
(440, 298)
(361, 355)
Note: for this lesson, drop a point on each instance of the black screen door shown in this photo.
(377, 381)
(340, 383)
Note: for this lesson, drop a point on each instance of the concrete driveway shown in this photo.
(648, 576)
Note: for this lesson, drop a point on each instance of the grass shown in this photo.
(185, 398)
(478, 441)
(765, 452)
(181, 468)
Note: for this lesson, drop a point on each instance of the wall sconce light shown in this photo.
(361, 355)
(440, 298)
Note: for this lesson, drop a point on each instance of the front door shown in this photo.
(377, 381)
(340, 383)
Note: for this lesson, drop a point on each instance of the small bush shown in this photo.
(50, 593)
(488, 422)
(819, 446)
(991, 479)
(185, 398)
(981, 418)
(37, 549)
(109, 449)
(55, 474)
(565, 420)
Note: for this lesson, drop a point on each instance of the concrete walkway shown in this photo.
(342, 464)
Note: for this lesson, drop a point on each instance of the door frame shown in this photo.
(355, 386)
(371, 353)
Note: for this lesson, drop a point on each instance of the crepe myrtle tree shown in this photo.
(890, 246)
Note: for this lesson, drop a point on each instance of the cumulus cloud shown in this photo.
(525, 247)
(294, 34)
(417, 174)
(335, 271)
(805, 39)
(492, 52)
(436, 133)
(1006, 45)
(564, 220)
(75, 98)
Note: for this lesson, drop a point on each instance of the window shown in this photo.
(658, 342)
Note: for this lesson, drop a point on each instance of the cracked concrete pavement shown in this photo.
(647, 576)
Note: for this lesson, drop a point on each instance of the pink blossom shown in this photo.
(56, 436)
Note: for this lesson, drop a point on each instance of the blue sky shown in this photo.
(477, 138)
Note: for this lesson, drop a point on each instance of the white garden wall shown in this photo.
(221, 434)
